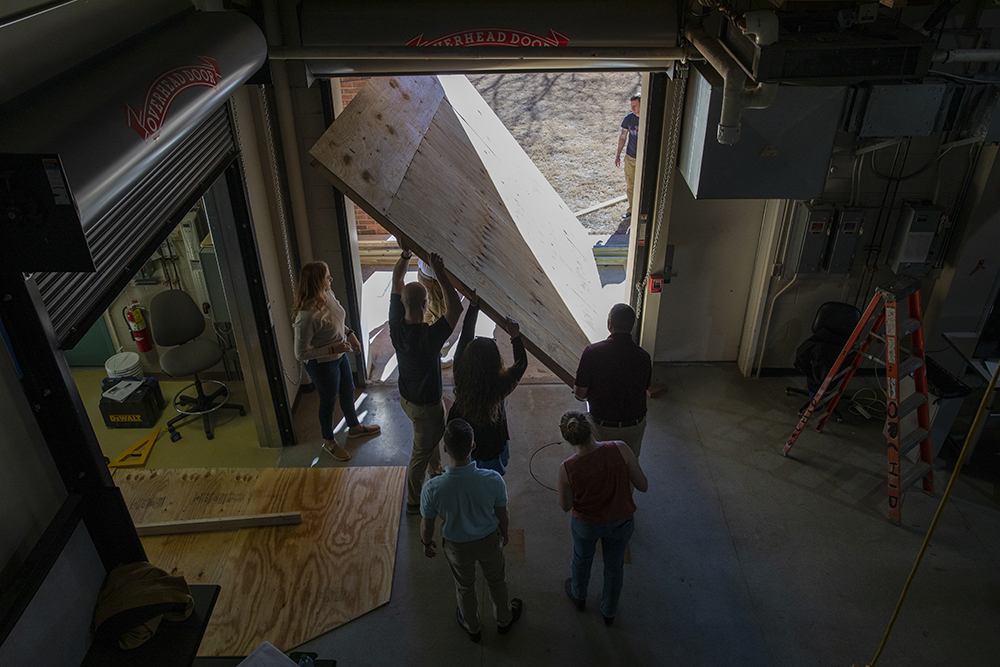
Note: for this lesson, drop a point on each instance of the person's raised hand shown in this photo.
(402, 244)
(473, 297)
(437, 263)
(513, 328)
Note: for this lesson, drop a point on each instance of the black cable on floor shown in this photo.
(532, 460)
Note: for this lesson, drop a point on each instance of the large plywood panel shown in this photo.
(375, 146)
(285, 584)
(470, 193)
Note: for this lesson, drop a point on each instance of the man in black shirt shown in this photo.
(418, 352)
(613, 377)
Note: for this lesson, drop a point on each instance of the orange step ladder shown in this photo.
(884, 312)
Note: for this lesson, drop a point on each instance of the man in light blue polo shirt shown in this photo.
(472, 503)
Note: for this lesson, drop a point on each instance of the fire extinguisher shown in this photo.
(137, 326)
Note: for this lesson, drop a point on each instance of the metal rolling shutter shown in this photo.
(122, 240)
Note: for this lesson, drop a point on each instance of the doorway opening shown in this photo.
(119, 348)
(568, 123)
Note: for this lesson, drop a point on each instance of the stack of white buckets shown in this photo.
(124, 365)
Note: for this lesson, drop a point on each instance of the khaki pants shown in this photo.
(630, 435)
(428, 429)
(629, 179)
(435, 298)
(462, 557)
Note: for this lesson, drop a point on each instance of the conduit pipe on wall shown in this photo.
(966, 56)
(735, 95)
(289, 143)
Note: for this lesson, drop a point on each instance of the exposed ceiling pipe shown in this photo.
(666, 54)
(966, 56)
(735, 95)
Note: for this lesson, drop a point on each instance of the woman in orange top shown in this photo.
(594, 483)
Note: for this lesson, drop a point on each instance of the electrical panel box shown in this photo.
(915, 235)
(807, 243)
(844, 241)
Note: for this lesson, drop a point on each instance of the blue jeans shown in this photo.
(332, 378)
(500, 463)
(614, 537)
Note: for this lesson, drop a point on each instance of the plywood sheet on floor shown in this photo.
(283, 584)
(431, 162)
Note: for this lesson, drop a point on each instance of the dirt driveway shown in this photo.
(568, 123)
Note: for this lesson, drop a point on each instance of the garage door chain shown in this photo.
(680, 84)
(281, 216)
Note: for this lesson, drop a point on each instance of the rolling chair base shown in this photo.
(202, 405)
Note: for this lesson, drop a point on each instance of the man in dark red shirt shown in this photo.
(613, 377)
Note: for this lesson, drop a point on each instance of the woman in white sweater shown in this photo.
(321, 339)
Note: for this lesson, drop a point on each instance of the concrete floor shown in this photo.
(740, 556)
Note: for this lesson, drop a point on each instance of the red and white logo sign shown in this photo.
(163, 90)
(492, 37)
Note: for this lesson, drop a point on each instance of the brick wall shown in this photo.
(349, 87)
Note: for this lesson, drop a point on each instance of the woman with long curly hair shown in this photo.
(321, 339)
(594, 483)
(481, 385)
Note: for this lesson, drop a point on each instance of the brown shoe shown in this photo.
(336, 451)
(361, 430)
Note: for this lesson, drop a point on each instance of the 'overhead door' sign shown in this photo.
(492, 37)
(163, 90)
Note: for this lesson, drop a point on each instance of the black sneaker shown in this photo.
(515, 613)
(627, 215)
(577, 602)
(473, 636)
(608, 620)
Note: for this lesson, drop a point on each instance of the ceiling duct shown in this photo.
(813, 49)
(769, 161)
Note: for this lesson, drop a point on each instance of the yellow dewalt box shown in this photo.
(141, 408)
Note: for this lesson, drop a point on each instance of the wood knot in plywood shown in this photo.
(347, 159)
(391, 129)
(366, 176)
(393, 84)
(379, 116)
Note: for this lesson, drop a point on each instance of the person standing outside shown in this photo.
(613, 377)
(418, 352)
(629, 140)
(321, 339)
(594, 483)
(472, 504)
